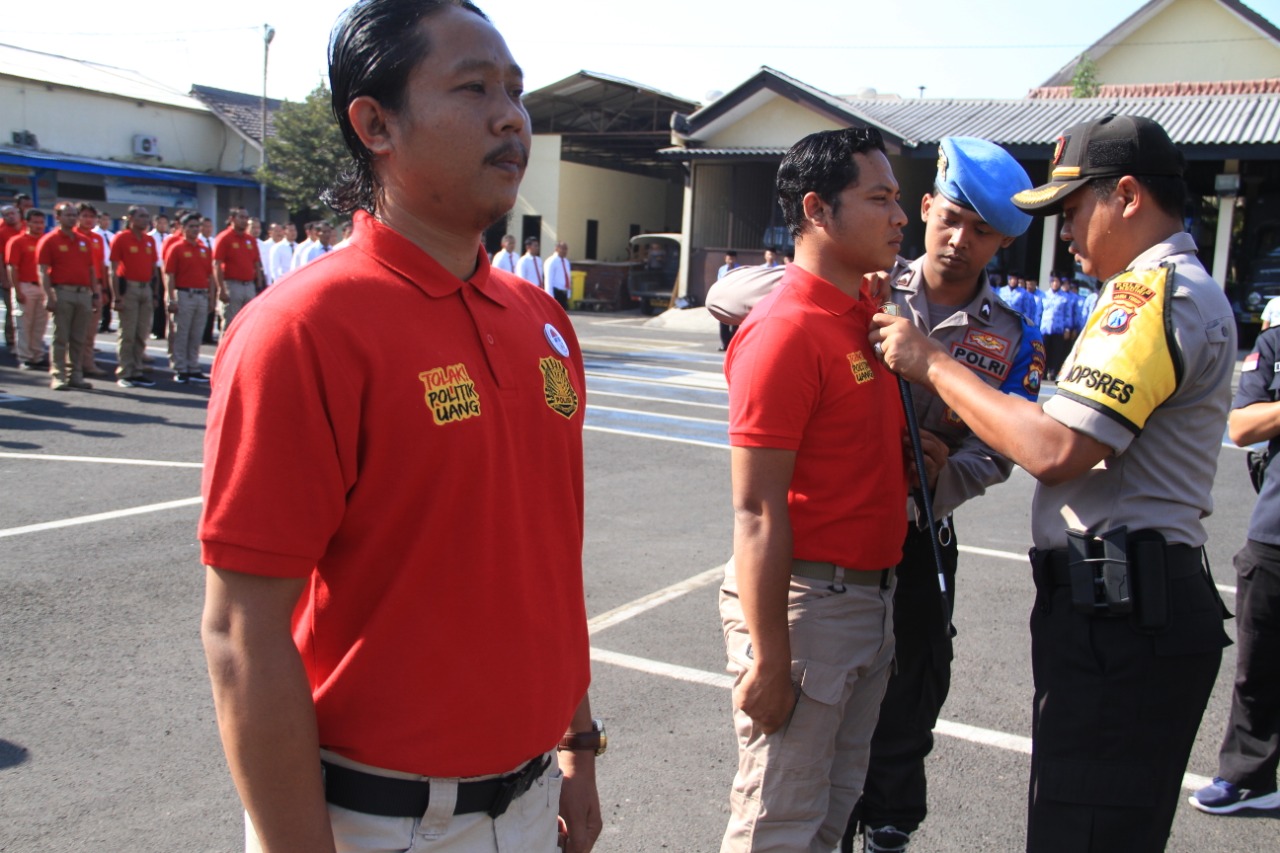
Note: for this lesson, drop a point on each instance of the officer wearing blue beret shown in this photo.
(968, 218)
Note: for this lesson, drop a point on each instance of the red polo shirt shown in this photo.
(803, 377)
(68, 257)
(134, 257)
(189, 263)
(20, 252)
(237, 253)
(7, 234)
(426, 477)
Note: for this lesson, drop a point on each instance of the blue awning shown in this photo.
(87, 165)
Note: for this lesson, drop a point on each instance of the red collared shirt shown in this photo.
(411, 443)
(69, 257)
(237, 252)
(134, 257)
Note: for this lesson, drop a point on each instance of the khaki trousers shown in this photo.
(33, 319)
(528, 826)
(71, 317)
(188, 327)
(134, 308)
(795, 788)
(239, 293)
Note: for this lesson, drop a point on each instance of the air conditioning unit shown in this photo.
(25, 138)
(146, 146)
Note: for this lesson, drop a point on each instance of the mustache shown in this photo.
(513, 150)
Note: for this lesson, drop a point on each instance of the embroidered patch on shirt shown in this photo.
(987, 341)
(861, 370)
(450, 394)
(1035, 373)
(983, 362)
(1250, 363)
(557, 387)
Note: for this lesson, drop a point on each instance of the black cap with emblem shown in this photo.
(1113, 146)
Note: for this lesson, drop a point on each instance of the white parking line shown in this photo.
(100, 516)
(621, 614)
(596, 393)
(652, 437)
(104, 460)
(959, 731)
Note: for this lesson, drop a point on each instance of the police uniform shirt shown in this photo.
(1260, 383)
(1158, 400)
(995, 342)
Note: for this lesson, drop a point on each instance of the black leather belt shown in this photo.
(387, 797)
(1181, 561)
(192, 289)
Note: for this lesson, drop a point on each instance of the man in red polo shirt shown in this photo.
(236, 267)
(10, 227)
(189, 295)
(133, 259)
(69, 278)
(815, 423)
(397, 493)
(24, 272)
(86, 221)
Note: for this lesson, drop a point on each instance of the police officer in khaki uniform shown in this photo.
(1127, 627)
(968, 218)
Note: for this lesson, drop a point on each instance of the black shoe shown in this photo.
(181, 378)
(141, 381)
(198, 377)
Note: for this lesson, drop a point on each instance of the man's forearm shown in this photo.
(1255, 422)
(1012, 426)
(762, 566)
(268, 727)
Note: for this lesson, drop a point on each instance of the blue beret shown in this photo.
(983, 177)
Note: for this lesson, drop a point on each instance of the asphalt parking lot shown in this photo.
(107, 734)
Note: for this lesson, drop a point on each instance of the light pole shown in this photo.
(268, 33)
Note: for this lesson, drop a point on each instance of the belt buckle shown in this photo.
(517, 784)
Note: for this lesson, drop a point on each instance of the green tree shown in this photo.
(306, 153)
(1085, 82)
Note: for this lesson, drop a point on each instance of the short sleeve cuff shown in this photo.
(1094, 424)
(237, 558)
(764, 440)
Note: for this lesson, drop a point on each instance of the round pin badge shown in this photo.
(556, 340)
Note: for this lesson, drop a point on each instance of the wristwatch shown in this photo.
(595, 740)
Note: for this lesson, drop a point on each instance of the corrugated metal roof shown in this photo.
(90, 76)
(240, 109)
(695, 153)
(1197, 120)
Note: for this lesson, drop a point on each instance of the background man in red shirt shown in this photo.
(24, 273)
(86, 221)
(133, 259)
(70, 281)
(189, 295)
(10, 227)
(237, 267)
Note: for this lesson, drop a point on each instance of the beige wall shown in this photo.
(778, 124)
(540, 190)
(1156, 52)
(86, 124)
(614, 199)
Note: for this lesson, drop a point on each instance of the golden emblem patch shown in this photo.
(557, 387)
(450, 394)
(861, 370)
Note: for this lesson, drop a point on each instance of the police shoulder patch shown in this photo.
(1126, 363)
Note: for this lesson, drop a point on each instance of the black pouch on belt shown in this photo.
(1099, 570)
(1150, 580)
(124, 286)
